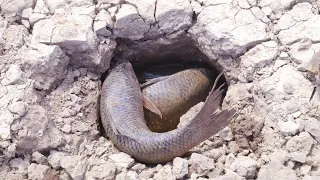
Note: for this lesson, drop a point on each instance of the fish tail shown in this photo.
(210, 119)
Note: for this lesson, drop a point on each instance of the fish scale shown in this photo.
(174, 95)
(125, 124)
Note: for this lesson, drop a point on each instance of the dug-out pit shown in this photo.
(166, 56)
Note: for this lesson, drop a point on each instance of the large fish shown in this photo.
(121, 108)
(173, 95)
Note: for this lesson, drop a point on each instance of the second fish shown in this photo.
(167, 98)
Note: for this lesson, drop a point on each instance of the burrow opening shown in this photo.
(166, 56)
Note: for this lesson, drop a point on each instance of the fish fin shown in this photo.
(313, 92)
(153, 81)
(148, 104)
(210, 118)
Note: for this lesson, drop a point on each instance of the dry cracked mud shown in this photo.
(54, 55)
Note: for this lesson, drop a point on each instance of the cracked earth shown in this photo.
(54, 53)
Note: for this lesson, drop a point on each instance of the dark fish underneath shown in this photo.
(121, 109)
(156, 71)
(174, 95)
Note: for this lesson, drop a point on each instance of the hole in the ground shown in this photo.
(158, 58)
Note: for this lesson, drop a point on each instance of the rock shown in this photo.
(41, 136)
(313, 127)
(282, 56)
(299, 147)
(6, 119)
(196, 6)
(37, 171)
(121, 176)
(260, 55)
(173, 15)
(55, 4)
(287, 88)
(273, 90)
(13, 8)
(244, 166)
(36, 17)
(279, 156)
(292, 30)
(6, 172)
(147, 173)
(234, 147)
(230, 176)
(302, 51)
(38, 157)
(308, 177)
(101, 22)
(236, 93)
(88, 10)
(72, 32)
(64, 176)
(304, 169)
(14, 75)
(15, 36)
(139, 167)
(260, 14)
(20, 164)
(291, 164)
(79, 3)
(276, 170)
(48, 65)
(243, 4)
(128, 16)
(164, 173)
(130, 175)
(276, 5)
(122, 160)
(75, 166)
(215, 153)
(180, 168)
(229, 159)
(3, 90)
(225, 30)
(66, 128)
(18, 108)
(200, 164)
(55, 159)
(226, 134)
(296, 114)
(266, 10)
(41, 7)
(97, 60)
(106, 170)
(265, 158)
(146, 11)
(288, 128)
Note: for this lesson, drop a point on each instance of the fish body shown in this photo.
(175, 95)
(121, 108)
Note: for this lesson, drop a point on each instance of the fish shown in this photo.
(313, 66)
(174, 95)
(122, 117)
